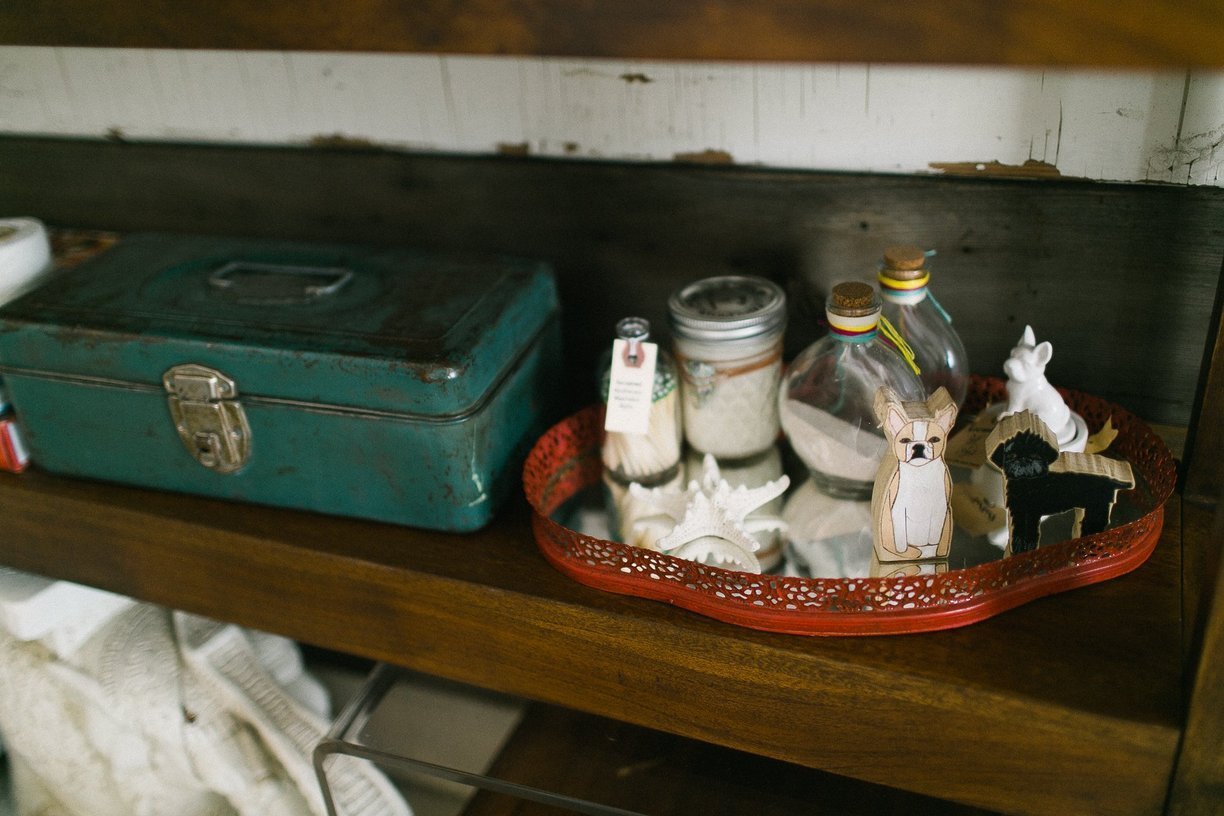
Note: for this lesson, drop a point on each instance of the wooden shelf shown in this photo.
(1075, 703)
(1070, 704)
(647, 771)
(1016, 32)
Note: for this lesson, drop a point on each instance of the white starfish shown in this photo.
(711, 516)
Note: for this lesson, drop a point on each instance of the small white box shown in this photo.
(25, 256)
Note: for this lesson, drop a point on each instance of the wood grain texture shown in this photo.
(1203, 491)
(1121, 279)
(1204, 480)
(648, 771)
(1198, 784)
(1130, 32)
(1024, 702)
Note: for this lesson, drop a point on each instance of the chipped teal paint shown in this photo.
(410, 403)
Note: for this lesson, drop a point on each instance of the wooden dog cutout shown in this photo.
(1039, 481)
(906, 569)
(911, 500)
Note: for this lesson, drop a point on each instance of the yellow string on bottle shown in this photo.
(897, 340)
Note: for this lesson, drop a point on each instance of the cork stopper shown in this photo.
(853, 299)
(904, 263)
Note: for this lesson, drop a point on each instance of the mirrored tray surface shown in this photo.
(828, 582)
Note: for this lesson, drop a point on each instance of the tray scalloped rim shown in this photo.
(566, 459)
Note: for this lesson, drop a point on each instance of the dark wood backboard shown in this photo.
(1120, 278)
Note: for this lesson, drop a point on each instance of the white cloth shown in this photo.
(159, 713)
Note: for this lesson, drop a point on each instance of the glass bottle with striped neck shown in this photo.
(827, 398)
(909, 305)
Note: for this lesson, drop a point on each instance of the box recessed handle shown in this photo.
(260, 283)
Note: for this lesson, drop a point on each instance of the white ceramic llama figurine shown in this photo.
(1028, 389)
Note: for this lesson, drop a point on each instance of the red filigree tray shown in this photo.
(565, 461)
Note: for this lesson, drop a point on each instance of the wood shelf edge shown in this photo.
(495, 615)
(1064, 32)
(646, 770)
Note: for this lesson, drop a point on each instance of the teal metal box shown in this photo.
(379, 383)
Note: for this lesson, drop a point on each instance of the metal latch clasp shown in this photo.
(210, 420)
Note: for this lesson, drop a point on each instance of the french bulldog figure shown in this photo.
(1028, 388)
(911, 500)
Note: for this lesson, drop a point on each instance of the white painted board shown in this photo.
(1164, 126)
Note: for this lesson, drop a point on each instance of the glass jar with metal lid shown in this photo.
(727, 333)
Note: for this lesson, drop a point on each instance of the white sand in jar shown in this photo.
(831, 445)
(739, 417)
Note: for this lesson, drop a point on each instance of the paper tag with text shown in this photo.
(630, 388)
(973, 512)
(968, 447)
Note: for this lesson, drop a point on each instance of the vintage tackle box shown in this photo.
(380, 383)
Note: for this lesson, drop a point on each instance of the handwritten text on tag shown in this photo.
(630, 388)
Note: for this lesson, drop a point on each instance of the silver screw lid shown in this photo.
(728, 307)
(634, 331)
(633, 328)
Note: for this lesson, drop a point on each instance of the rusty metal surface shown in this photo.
(404, 388)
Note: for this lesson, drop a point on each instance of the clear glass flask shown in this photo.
(827, 399)
(909, 305)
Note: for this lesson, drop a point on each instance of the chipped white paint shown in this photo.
(1119, 126)
(1196, 154)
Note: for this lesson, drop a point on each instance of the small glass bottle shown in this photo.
(653, 457)
(827, 399)
(728, 342)
(926, 327)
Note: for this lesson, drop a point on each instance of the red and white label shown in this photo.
(13, 454)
